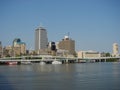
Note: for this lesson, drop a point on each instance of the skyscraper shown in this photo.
(41, 40)
(115, 49)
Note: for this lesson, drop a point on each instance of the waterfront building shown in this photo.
(0, 43)
(63, 53)
(41, 40)
(57, 45)
(7, 51)
(1, 50)
(19, 47)
(88, 54)
(52, 48)
(30, 52)
(67, 44)
(115, 50)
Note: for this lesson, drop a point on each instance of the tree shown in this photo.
(107, 54)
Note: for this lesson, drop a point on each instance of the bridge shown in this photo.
(49, 58)
(38, 58)
(99, 59)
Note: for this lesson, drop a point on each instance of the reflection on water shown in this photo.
(47, 68)
(87, 76)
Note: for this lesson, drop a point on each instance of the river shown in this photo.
(79, 76)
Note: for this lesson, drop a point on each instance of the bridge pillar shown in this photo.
(66, 60)
(105, 59)
(100, 60)
(77, 60)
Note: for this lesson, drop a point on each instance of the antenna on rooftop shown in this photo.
(68, 34)
(40, 26)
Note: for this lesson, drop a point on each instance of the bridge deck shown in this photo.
(51, 58)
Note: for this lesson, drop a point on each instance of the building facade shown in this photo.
(19, 47)
(8, 51)
(52, 48)
(67, 44)
(88, 54)
(115, 50)
(1, 50)
(41, 40)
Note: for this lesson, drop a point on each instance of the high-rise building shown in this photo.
(41, 40)
(115, 49)
(19, 47)
(67, 44)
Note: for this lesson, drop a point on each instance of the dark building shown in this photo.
(52, 46)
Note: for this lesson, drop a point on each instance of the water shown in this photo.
(85, 76)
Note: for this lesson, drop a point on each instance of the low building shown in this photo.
(88, 54)
(61, 52)
(1, 50)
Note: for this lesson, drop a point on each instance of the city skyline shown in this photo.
(94, 25)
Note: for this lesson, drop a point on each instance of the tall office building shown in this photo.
(41, 40)
(67, 44)
(115, 49)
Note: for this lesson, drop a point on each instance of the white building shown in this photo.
(88, 54)
(41, 40)
(115, 49)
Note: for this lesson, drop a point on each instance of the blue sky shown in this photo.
(93, 24)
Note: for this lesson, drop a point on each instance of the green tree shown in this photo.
(107, 54)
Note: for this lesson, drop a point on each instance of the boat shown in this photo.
(82, 61)
(26, 62)
(11, 63)
(42, 63)
(56, 62)
(92, 61)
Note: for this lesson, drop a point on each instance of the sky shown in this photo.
(93, 24)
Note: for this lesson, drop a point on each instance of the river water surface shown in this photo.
(84, 76)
